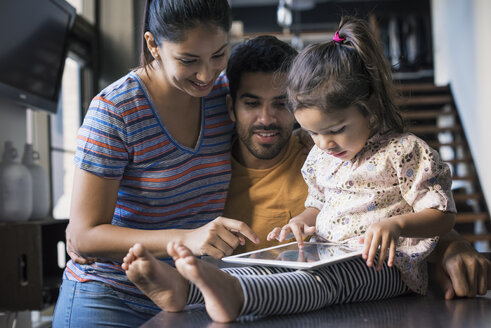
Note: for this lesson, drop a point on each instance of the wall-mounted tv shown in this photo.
(33, 47)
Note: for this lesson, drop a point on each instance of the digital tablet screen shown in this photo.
(289, 255)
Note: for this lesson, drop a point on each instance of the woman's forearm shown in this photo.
(110, 242)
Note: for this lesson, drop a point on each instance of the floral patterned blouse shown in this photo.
(393, 174)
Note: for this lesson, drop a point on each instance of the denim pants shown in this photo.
(93, 304)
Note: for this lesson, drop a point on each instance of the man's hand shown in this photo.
(462, 272)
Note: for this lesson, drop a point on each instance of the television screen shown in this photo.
(33, 45)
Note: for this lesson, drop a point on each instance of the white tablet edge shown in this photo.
(290, 264)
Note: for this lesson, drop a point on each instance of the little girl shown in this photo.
(368, 181)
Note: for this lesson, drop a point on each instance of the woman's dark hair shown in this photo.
(336, 75)
(262, 54)
(169, 20)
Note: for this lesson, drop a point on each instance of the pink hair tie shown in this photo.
(337, 38)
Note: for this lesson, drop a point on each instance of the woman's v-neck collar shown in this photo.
(199, 141)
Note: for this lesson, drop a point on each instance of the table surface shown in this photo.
(404, 311)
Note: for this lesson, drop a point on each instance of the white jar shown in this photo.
(40, 184)
(15, 187)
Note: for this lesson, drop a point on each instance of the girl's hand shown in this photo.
(385, 235)
(219, 237)
(296, 227)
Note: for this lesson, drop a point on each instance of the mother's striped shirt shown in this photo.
(164, 185)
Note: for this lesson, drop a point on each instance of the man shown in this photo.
(267, 188)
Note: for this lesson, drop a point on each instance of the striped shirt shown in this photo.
(163, 185)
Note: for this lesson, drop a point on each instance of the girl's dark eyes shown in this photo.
(339, 131)
(331, 132)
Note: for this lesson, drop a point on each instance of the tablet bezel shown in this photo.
(239, 259)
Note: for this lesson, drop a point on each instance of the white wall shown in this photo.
(12, 125)
(462, 56)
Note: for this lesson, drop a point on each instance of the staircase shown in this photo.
(430, 114)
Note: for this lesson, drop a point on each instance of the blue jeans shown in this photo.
(93, 304)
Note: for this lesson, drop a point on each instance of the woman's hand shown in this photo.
(73, 253)
(219, 237)
(384, 234)
(297, 227)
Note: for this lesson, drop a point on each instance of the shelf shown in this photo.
(31, 276)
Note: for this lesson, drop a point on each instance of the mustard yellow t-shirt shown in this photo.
(269, 198)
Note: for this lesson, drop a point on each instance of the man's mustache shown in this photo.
(266, 127)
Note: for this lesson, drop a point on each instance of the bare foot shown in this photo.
(159, 281)
(222, 292)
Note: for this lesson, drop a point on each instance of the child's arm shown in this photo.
(423, 224)
(427, 223)
(301, 225)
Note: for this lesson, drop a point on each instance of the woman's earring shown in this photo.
(372, 122)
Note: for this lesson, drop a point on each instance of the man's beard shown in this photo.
(264, 151)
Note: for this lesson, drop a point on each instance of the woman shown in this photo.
(153, 164)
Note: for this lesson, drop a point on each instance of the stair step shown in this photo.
(459, 160)
(422, 129)
(471, 217)
(477, 237)
(421, 87)
(424, 100)
(468, 178)
(426, 114)
(466, 197)
(437, 144)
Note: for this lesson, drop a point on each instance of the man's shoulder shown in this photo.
(296, 153)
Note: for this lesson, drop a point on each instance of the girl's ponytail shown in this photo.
(357, 34)
(349, 70)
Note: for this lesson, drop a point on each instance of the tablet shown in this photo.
(290, 256)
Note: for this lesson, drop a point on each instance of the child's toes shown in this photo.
(183, 251)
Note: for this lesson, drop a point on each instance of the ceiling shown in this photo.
(260, 16)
